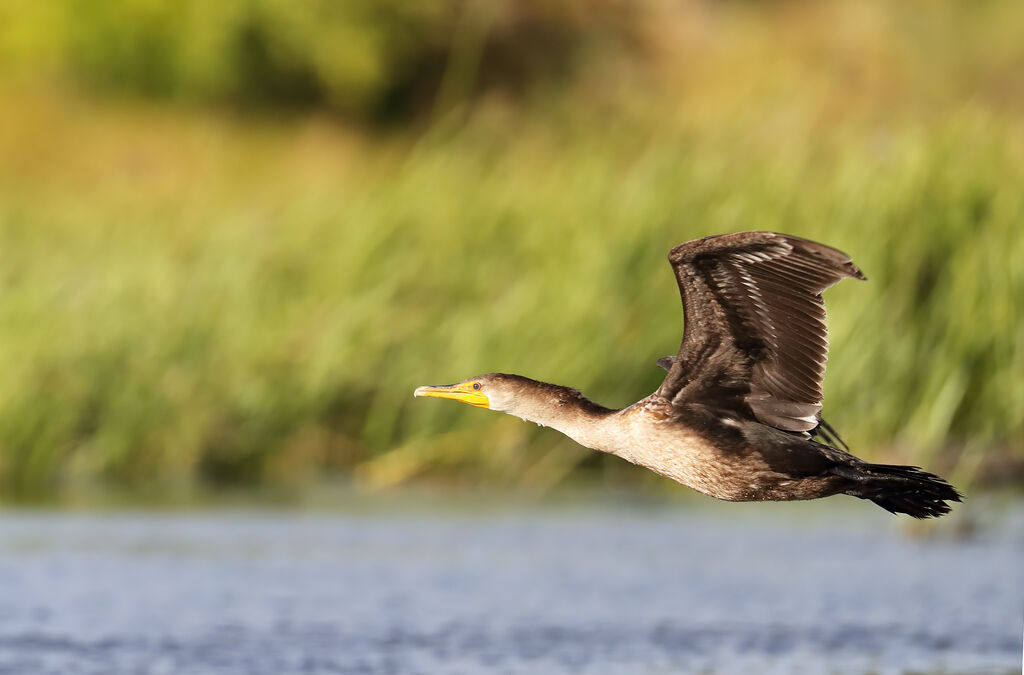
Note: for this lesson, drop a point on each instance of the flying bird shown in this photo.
(738, 415)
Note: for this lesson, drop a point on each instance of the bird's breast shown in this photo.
(717, 464)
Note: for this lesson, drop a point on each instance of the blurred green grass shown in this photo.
(193, 296)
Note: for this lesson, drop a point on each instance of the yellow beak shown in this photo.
(463, 391)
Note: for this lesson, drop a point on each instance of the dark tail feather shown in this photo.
(900, 489)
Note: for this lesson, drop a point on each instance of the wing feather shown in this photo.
(755, 328)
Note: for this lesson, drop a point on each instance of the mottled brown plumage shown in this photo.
(738, 412)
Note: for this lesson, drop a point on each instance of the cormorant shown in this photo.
(738, 416)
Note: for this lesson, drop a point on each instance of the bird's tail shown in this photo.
(900, 489)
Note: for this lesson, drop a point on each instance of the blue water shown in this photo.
(806, 588)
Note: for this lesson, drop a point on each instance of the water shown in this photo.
(719, 589)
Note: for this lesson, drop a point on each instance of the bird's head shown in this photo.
(546, 404)
(494, 391)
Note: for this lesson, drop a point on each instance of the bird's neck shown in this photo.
(565, 410)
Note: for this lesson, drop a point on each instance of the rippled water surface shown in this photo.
(721, 589)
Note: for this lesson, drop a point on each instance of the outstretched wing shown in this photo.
(755, 323)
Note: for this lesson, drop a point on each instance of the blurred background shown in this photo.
(234, 236)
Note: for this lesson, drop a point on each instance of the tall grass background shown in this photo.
(227, 257)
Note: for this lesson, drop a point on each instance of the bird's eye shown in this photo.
(476, 385)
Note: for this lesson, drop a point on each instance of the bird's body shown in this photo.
(721, 457)
(737, 415)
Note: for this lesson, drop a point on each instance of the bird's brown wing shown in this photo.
(755, 324)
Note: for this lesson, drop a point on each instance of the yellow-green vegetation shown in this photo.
(196, 296)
